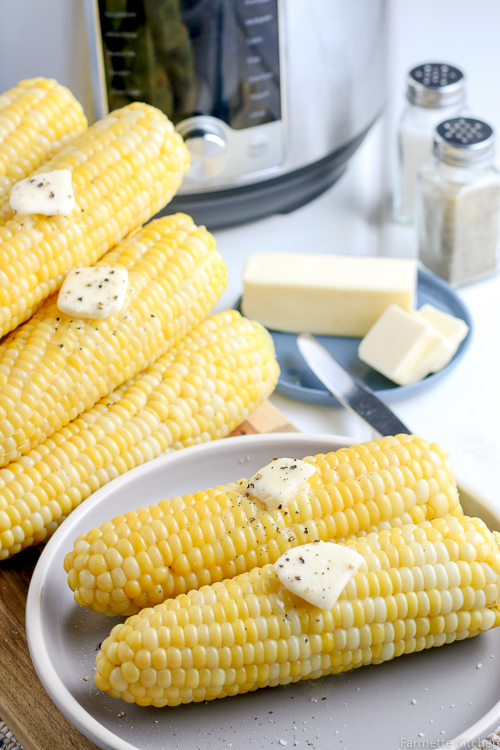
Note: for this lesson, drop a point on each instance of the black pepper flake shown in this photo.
(40, 184)
(60, 346)
(301, 559)
(80, 299)
(51, 195)
(298, 578)
(153, 316)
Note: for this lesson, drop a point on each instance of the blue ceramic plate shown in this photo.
(299, 382)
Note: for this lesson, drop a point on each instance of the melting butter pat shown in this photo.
(94, 292)
(318, 572)
(47, 193)
(281, 481)
(325, 294)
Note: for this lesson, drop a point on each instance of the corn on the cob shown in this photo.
(200, 391)
(420, 586)
(125, 168)
(143, 557)
(54, 367)
(38, 117)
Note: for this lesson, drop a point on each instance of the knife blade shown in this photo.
(348, 388)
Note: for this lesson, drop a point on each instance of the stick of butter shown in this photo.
(325, 294)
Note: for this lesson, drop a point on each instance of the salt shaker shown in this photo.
(435, 92)
(458, 203)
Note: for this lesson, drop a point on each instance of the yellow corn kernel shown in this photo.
(125, 168)
(39, 118)
(300, 642)
(207, 550)
(176, 277)
(218, 343)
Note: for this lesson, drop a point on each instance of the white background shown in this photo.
(461, 412)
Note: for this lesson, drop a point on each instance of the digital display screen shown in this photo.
(194, 57)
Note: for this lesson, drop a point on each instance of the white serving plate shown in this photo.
(456, 702)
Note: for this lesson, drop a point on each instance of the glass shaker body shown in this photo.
(458, 220)
(415, 141)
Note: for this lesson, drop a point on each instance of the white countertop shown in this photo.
(461, 412)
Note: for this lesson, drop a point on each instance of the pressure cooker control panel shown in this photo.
(213, 67)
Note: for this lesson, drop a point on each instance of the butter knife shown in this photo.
(349, 389)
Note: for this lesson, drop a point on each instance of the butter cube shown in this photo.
(280, 482)
(93, 292)
(318, 572)
(46, 193)
(452, 329)
(401, 345)
(325, 294)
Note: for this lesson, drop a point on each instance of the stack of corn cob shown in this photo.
(82, 401)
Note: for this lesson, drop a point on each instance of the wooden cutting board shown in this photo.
(24, 705)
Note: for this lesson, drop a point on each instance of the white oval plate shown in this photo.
(434, 695)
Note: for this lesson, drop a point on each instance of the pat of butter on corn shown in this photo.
(406, 347)
(281, 481)
(325, 294)
(94, 292)
(318, 572)
(47, 193)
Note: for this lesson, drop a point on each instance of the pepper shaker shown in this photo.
(435, 92)
(458, 203)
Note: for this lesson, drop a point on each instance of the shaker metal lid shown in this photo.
(436, 85)
(464, 141)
